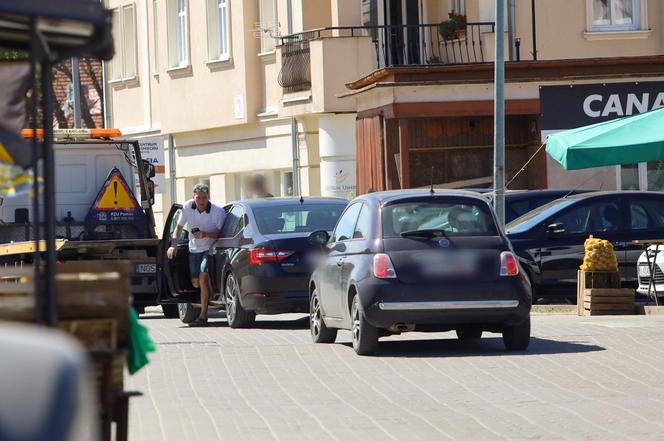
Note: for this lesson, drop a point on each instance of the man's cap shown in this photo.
(201, 188)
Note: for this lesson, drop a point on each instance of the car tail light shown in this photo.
(382, 267)
(265, 255)
(508, 264)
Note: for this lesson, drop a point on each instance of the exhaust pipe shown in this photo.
(402, 327)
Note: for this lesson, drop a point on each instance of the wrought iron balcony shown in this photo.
(394, 45)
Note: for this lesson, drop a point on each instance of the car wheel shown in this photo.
(516, 338)
(236, 315)
(171, 311)
(469, 334)
(365, 336)
(320, 333)
(188, 312)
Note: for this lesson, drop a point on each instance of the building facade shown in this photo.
(210, 80)
(426, 113)
(377, 94)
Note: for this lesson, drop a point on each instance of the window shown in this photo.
(643, 176)
(346, 225)
(155, 35)
(218, 30)
(287, 183)
(614, 15)
(458, 6)
(363, 223)
(455, 218)
(123, 65)
(597, 217)
(297, 218)
(178, 33)
(646, 213)
(268, 24)
(234, 222)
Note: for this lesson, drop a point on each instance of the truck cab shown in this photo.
(104, 196)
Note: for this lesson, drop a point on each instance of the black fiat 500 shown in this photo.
(418, 261)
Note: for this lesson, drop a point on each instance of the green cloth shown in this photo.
(140, 344)
(629, 140)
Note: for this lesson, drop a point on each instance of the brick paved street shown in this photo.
(582, 378)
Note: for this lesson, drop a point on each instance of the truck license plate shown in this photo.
(146, 268)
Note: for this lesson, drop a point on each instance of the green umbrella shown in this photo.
(630, 140)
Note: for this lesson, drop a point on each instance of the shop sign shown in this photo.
(568, 107)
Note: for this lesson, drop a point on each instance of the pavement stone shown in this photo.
(582, 378)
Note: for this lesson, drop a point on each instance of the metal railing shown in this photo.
(394, 45)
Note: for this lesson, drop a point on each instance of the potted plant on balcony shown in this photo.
(454, 27)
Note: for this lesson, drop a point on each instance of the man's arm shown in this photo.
(176, 235)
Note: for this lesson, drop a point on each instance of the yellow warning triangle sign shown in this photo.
(115, 194)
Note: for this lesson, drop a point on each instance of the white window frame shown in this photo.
(272, 25)
(155, 35)
(178, 35)
(219, 30)
(283, 182)
(124, 68)
(640, 18)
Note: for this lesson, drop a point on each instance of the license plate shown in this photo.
(447, 266)
(644, 271)
(145, 268)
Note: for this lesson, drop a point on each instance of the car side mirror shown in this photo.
(555, 229)
(319, 238)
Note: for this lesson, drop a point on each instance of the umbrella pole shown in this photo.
(49, 195)
(36, 226)
(40, 52)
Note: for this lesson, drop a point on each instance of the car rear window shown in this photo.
(455, 217)
(297, 218)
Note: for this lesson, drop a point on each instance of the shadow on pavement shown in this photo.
(218, 320)
(486, 347)
(301, 323)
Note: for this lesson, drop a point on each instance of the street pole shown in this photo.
(499, 117)
(511, 28)
(296, 158)
(76, 84)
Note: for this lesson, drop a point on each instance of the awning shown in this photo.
(629, 140)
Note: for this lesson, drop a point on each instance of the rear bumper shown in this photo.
(276, 302)
(493, 305)
(270, 290)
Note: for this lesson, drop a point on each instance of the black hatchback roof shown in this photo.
(383, 197)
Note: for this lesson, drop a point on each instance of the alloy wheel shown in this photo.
(356, 324)
(231, 298)
(315, 316)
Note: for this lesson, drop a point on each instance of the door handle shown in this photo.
(340, 262)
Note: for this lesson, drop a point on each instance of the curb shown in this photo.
(554, 309)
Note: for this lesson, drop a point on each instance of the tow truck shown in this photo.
(98, 175)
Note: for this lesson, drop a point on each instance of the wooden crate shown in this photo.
(87, 289)
(93, 334)
(608, 301)
(594, 280)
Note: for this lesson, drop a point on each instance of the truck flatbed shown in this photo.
(83, 247)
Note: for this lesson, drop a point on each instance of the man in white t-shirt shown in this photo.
(205, 220)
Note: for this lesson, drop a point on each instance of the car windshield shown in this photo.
(454, 217)
(532, 218)
(297, 218)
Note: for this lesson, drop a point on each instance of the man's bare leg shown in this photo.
(205, 294)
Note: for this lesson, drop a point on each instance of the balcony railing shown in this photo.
(394, 45)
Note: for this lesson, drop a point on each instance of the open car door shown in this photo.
(173, 275)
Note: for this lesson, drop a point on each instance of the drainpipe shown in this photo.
(296, 158)
(511, 24)
(534, 23)
(171, 167)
